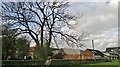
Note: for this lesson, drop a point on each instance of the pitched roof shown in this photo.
(113, 48)
(72, 51)
(96, 52)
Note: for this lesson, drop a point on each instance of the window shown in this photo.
(111, 49)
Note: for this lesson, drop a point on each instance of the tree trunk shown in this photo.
(50, 37)
(42, 36)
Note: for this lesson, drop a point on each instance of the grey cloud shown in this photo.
(100, 20)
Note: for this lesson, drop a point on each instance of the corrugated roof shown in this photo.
(72, 51)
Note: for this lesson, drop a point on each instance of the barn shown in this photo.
(69, 54)
(72, 53)
(92, 54)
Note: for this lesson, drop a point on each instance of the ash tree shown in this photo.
(42, 22)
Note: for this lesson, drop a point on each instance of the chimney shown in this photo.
(93, 43)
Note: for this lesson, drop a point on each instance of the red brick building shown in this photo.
(91, 54)
(72, 53)
(69, 53)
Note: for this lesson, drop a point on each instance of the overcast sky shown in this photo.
(100, 20)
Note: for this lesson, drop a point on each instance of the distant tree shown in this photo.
(22, 47)
(59, 55)
(11, 43)
(8, 42)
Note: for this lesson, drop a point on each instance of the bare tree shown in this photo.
(58, 18)
(42, 21)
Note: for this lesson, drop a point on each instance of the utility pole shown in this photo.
(93, 43)
(93, 49)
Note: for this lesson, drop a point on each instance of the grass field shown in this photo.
(114, 62)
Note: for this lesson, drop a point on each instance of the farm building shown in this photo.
(72, 53)
(68, 53)
(112, 52)
(91, 54)
(106, 56)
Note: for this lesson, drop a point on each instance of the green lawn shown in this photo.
(114, 62)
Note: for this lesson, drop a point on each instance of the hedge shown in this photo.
(74, 62)
(53, 62)
(22, 62)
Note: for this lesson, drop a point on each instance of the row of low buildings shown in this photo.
(80, 54)
(110, 53)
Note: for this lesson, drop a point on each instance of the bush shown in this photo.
(58, 56)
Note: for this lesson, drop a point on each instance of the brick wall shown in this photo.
(87, 55)
(72, 56)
